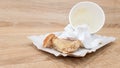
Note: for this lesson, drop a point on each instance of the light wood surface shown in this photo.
(21, 18)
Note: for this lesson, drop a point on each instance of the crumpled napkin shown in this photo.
(91, 42)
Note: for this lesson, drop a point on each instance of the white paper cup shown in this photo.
(88, 13)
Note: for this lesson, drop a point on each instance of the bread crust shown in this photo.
(48, 41)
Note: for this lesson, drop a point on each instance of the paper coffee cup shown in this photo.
(88, 13)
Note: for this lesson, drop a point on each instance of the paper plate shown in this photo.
(38, 42)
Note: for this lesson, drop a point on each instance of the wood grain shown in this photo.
(21, 18)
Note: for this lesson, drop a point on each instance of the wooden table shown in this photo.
(21, 18)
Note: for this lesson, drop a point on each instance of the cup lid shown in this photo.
(88, 13)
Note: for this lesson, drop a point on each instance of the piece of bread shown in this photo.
(62, 45)
(66, 45)
(48, 41)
